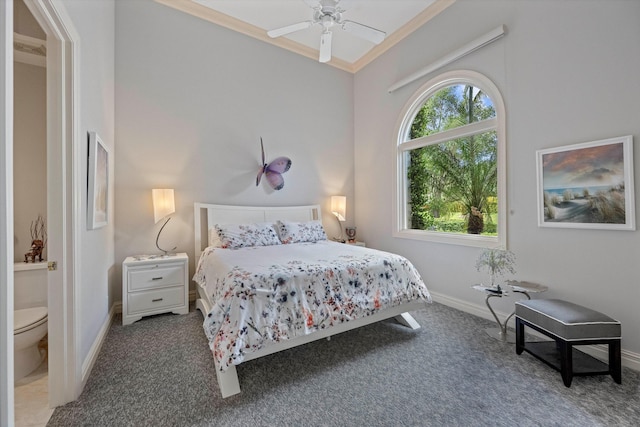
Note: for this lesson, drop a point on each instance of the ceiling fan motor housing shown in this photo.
(328, 16)
(327, 13)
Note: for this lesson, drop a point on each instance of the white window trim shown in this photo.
(401, 147)
(475, 128)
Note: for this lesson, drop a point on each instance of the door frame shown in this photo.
(64, 194)
(64, 209)
(6, 213)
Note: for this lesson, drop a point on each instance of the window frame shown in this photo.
(403, 146)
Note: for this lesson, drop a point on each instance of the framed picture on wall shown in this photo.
(98, 183)
(587, 185)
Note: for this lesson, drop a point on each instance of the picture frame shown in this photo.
(587, 185)
(97, 183)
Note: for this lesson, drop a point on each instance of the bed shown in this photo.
(264, 298)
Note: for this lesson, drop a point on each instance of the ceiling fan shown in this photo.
(327, 13)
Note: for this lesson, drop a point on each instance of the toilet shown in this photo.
(29, 327)
(30, 317)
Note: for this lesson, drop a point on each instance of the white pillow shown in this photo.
(297, 232)
(214, 239)
(234, 236)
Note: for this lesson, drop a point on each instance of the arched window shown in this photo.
(451, 163)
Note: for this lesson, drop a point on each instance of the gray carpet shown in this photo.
(159, 372)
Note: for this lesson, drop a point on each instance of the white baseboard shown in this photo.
(87, 364)
(629, 359)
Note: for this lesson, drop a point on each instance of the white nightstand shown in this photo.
(153, 285)
(357, 243)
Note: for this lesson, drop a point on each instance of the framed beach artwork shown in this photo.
(587, 185)
(97, 183)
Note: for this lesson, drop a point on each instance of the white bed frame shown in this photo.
(205, 215)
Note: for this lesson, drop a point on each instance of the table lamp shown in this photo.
(163, 206)
(339, 209)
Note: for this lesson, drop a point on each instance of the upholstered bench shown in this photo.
(568, 325)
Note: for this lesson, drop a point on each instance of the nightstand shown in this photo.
(357, 243)
(154, 285)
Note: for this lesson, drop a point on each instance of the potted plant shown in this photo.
(496, 262)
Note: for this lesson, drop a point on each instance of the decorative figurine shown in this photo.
(273, 170)
(351, 234)
(39, 240)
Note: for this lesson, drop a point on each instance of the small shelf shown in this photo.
(583, 364)
(26, 266)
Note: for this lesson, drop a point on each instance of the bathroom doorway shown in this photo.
(64, 193)
(30, 216)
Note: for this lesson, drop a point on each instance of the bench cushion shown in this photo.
(568, 321)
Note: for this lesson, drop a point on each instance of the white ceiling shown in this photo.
(397, 18)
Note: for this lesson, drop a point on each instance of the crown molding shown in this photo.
(203, 12)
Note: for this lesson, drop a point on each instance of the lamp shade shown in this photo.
(339, 207)
(163, 203)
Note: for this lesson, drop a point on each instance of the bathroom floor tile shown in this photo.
(32, 399)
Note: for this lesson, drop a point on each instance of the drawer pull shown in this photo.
(156, 278)
(157, 299)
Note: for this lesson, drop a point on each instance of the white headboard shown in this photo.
(205, 215)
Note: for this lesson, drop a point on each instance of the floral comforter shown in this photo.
(262, 295)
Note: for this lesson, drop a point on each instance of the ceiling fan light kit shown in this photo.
(327, 14)
(325, 46)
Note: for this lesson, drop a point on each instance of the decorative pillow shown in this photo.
(297, 232)
(214, 239)
(233, 236)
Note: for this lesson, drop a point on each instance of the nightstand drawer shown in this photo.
(139, 302)
(155, 277)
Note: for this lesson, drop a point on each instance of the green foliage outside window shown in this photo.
(453, 184)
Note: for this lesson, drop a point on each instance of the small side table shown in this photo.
(357, 243)
(154, 285)
(517, 287)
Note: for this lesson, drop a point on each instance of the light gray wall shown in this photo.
(193, 100)
(29, 153)
(568, 73)
(94, 21)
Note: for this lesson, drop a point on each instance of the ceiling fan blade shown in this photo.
(364, 31)
(289, 29)
(325, 47)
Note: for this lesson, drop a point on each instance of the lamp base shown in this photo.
(166, 253)
(341, 238)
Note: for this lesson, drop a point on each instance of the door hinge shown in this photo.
(52, 265)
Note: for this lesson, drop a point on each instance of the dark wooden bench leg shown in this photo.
(566, 362)
(519, 335)
(615, 361)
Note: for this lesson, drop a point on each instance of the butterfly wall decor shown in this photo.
(273, 170)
